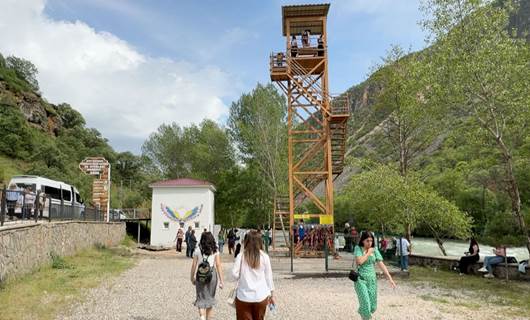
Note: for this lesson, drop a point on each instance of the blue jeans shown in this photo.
(489, 262)
(405, 262)
(221, 245)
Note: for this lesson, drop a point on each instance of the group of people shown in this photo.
(472, 256)
(253, 272)
(311, 237)
(306, 43)
(189, 237)
(252, 269)
(26, 199)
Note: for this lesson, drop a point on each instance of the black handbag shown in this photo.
(353, 276)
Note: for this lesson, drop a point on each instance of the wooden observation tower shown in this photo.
(316, 121)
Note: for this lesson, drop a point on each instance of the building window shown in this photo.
(197, 225)
(166, 225)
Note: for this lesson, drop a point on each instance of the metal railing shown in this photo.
(129, 214)
(17, 206)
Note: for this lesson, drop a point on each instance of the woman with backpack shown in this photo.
(255, 287)
(367, 257)
(206, 270)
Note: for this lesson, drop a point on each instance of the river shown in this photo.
(427, 246)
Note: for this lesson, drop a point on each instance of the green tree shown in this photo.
(25, 69)
(257, 125)
(202, 151)
(413, 121)
(483, 72)
(70, 117)
(384, 200)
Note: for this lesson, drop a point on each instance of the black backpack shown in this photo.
(204, 271)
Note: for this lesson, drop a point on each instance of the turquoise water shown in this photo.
(428, 246)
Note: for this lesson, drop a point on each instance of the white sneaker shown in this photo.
(483, 269)
(489, 275)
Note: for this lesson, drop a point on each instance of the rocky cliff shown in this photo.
(37, 112)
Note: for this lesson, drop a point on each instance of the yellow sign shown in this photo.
(326, 219)
(302, 216)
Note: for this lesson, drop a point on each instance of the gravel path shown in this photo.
(158, 288)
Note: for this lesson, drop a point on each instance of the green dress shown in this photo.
(366, 285)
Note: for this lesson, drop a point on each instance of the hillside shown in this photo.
(50, 140)
(366, 123)
(457, 163)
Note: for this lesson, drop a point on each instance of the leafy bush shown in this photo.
(25, 70)
(16, 139)
(500, 230)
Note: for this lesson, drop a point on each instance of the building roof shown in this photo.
(184, 182)
(311, 14)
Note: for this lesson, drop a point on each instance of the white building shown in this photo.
(181, 202)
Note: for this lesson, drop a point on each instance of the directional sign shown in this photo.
(100, 168)
(94, 166)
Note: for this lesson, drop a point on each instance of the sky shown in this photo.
(131, 65)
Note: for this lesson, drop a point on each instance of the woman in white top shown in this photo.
(206, 282)
(254, 273)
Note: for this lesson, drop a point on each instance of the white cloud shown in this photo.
(121, 92)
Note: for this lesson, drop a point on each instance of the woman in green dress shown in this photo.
(366, 257)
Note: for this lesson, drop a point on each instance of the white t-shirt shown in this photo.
(404, 247)
(211, 259)
(254, 284)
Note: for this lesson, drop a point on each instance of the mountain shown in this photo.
(50, 140)
(365, 123)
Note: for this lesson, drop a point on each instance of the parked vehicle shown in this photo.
(60, 195)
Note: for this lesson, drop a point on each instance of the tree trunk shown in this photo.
(440, 244)
(513, 190)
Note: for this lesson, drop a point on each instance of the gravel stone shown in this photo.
(158, 287)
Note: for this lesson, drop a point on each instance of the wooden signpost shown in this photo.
(99, 167)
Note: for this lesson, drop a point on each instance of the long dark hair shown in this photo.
(473, 242)
(365, 235)
(253, 245)
(207, 244)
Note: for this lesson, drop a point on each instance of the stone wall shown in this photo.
(450, 262)
(25, 248)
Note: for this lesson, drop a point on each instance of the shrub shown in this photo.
(58, 262)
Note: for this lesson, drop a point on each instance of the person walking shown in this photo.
(178, 239)
(192, 243)
(231, 240)
(403, 251)
(221, 240)
(187, 240)
(472, 256)
(255, 286)
(347, 238)
(206, 273)
(366, 257)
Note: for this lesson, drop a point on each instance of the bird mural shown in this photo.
(181, 214)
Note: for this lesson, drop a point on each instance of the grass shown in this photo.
(513, 294)
(49, 290)
(9, 168)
